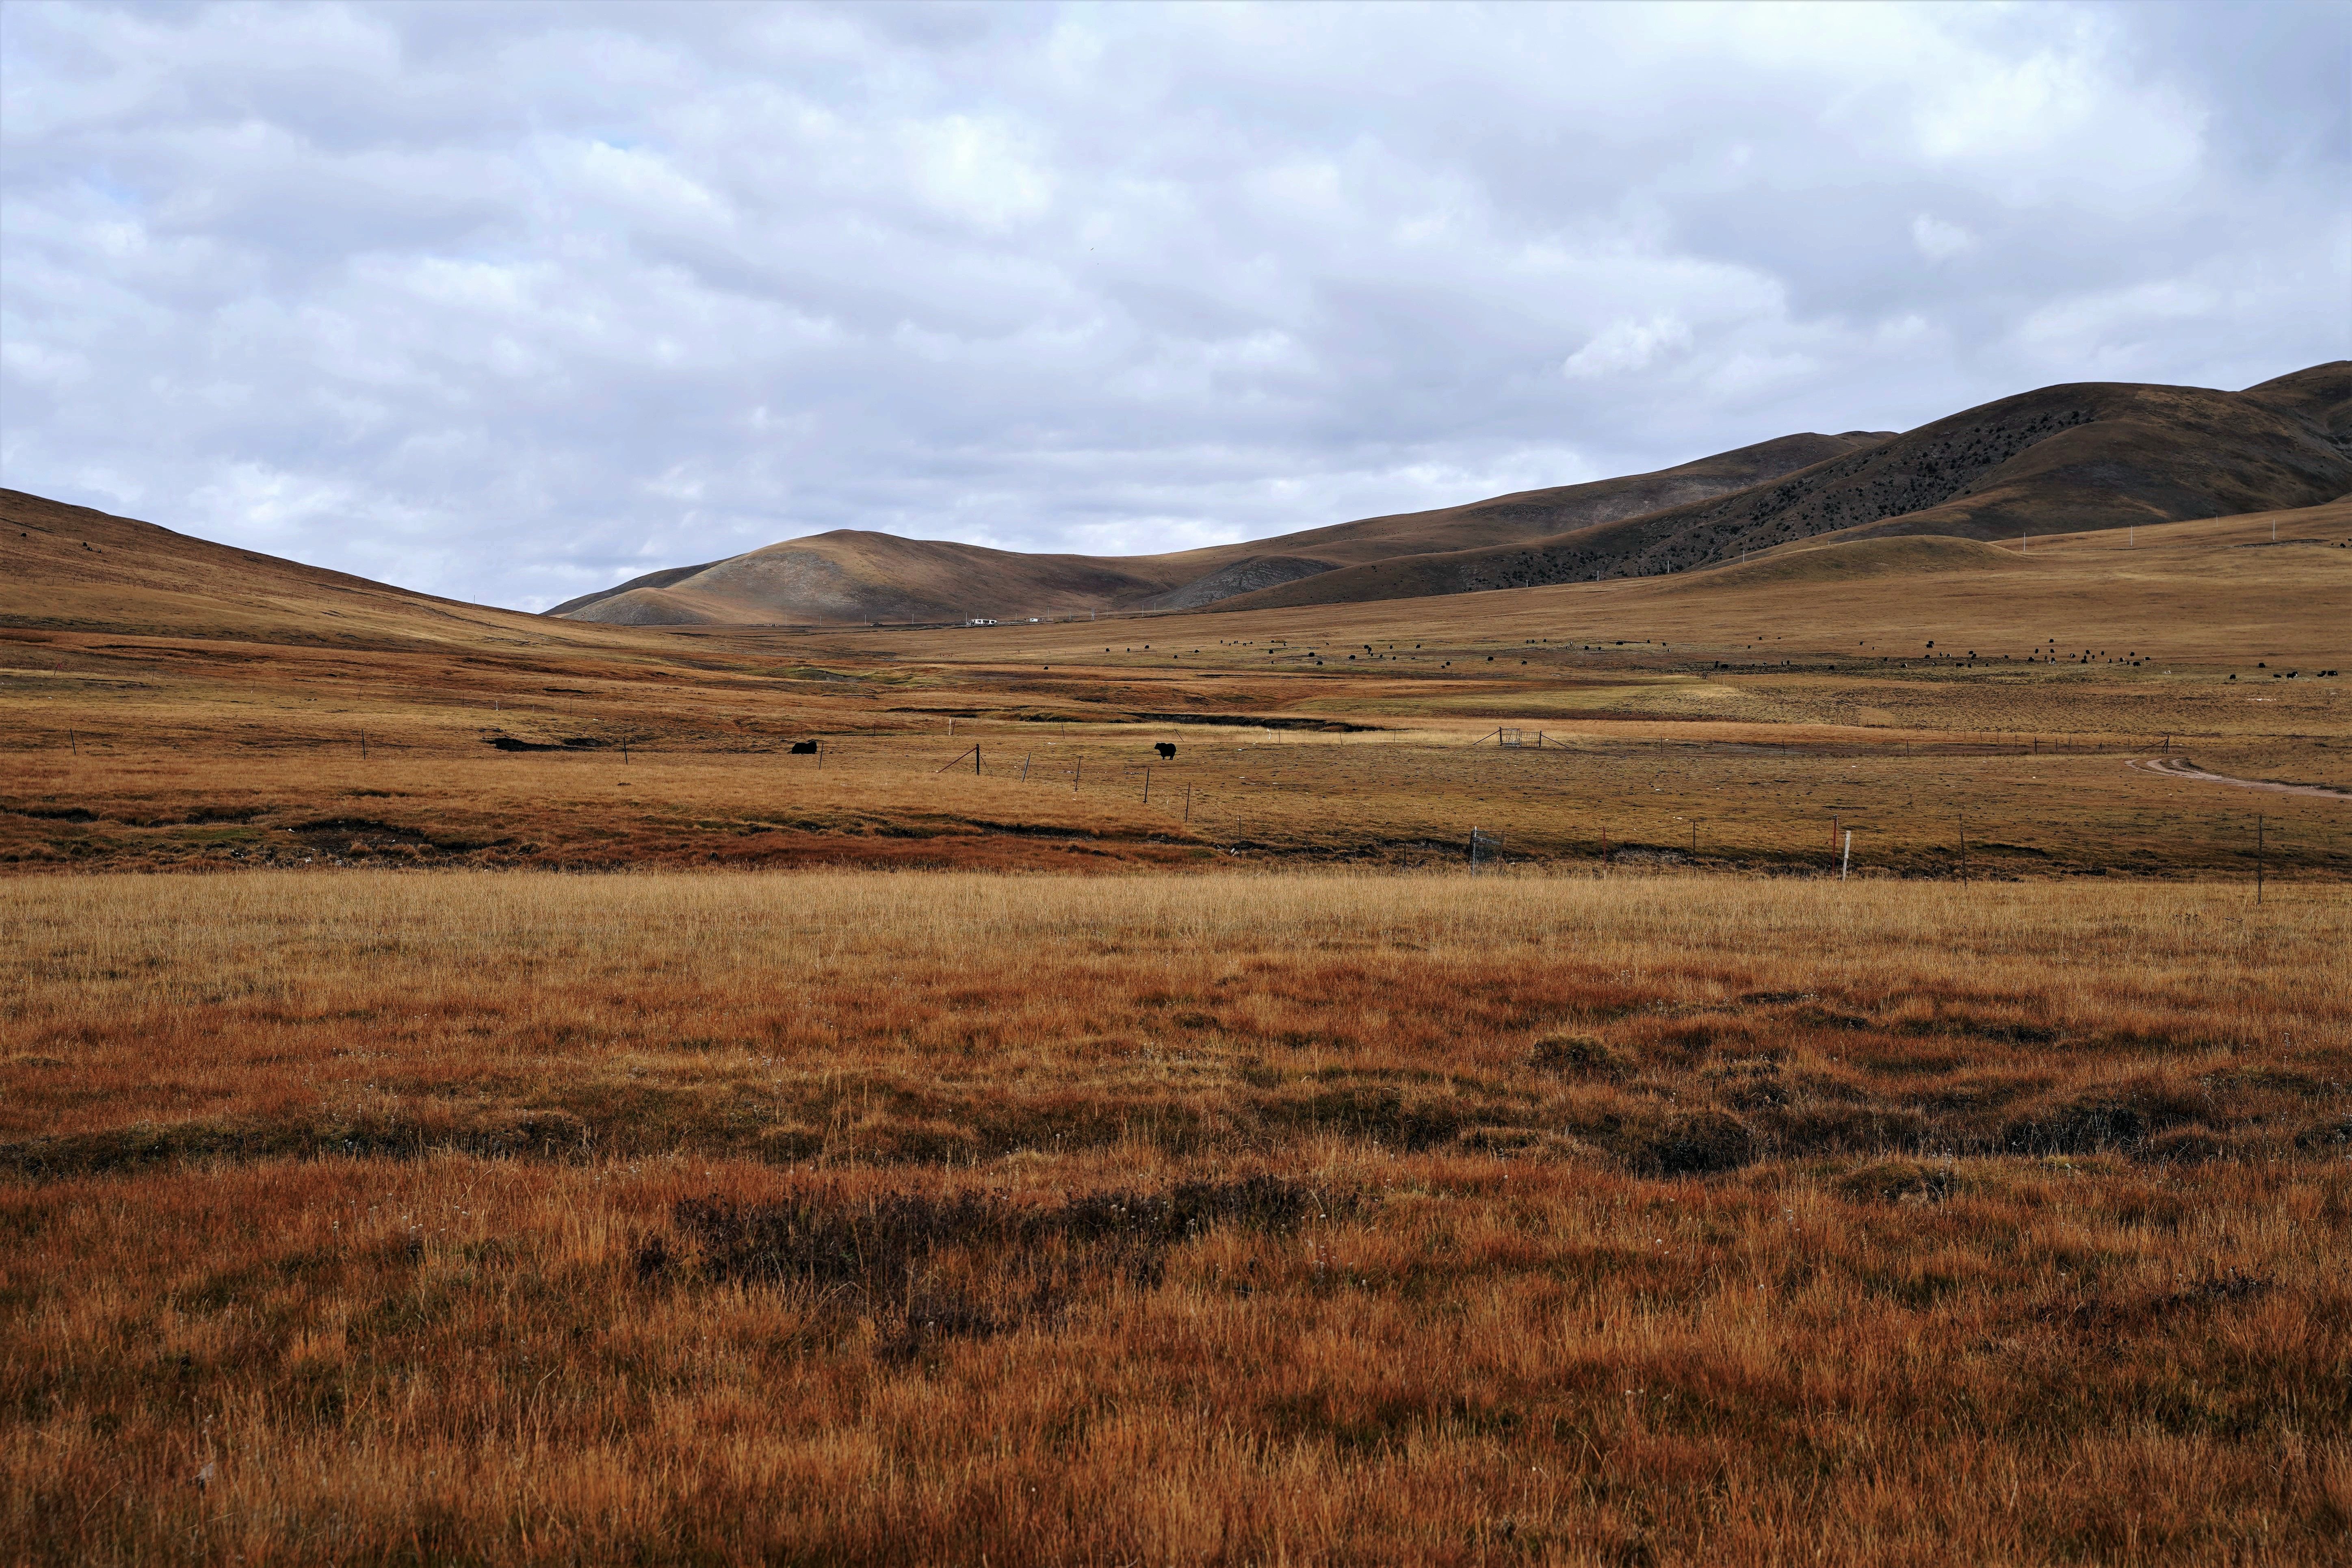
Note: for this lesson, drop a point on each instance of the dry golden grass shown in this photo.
(1708, 717)
(826, 1218)
(1588, 1211)
(191, 772)
(2213, 593)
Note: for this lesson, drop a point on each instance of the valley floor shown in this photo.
(478, 1087)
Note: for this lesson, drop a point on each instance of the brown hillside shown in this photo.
(71, 568)
(2214, 593)
(852, 575)
(2062, 459)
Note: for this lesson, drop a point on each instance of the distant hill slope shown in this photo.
(71, 568)
(850, 575)
(2065, 459)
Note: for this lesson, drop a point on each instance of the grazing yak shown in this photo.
(805, 748)
(1167, 750)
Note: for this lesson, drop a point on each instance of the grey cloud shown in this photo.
(513, 301)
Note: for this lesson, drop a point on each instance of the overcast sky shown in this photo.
(513, 301)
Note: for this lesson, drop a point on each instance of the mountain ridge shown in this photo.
(853, 576)
(2062, 458)
(2066, 458)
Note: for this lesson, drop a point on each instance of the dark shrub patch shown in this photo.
(1369, 1111)
(2007, 1031)
(537, 1132)
(2334, 1136)
(1577, 1055)
(2190, 1145)
(1837, 1129)
(1692, 1143)
(1818, 1017)
(827, 1238)
(2118, 1117)
(923, 1260)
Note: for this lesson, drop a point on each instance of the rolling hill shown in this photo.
(2063, 458)
(75, 569)
(852, 575)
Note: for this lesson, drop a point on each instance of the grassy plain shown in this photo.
(1652, 1196)
(1708, 717)
(1236, 1218)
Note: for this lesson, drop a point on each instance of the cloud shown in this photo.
(1626, 346)
(512, 302)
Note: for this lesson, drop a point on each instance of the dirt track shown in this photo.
(2182, 768)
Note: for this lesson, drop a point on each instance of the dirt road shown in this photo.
(2182, 768)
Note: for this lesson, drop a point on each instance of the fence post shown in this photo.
(1847, 863)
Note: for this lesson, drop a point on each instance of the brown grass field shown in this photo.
(1664, 739)
(469, 1092)
(1331, 1216)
